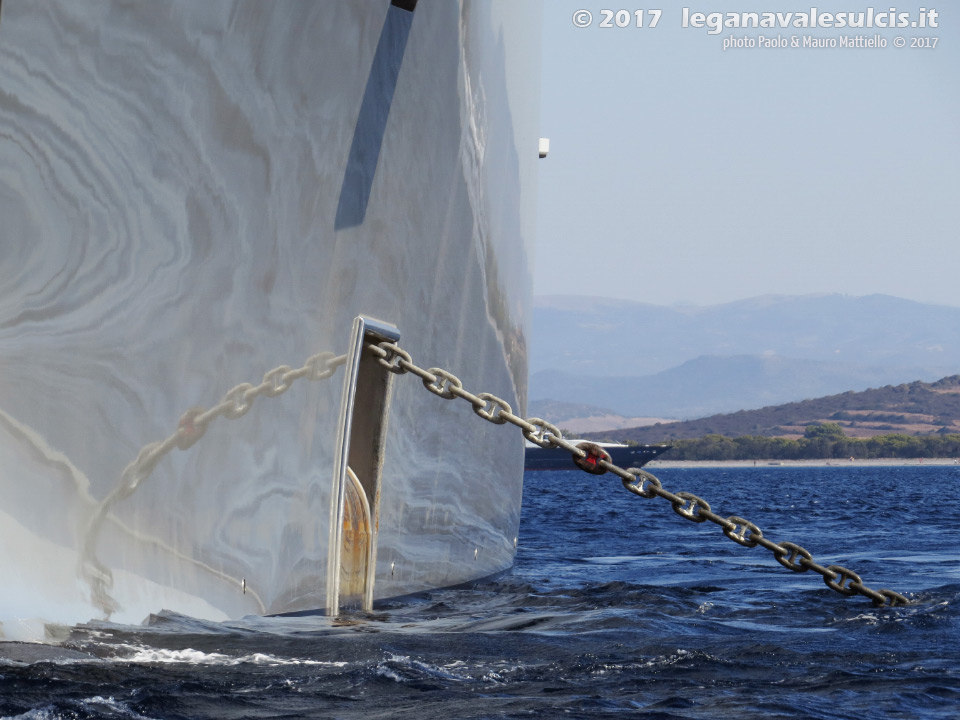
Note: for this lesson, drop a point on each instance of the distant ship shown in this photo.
(626, 456)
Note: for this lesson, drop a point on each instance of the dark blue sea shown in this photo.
(616, 606)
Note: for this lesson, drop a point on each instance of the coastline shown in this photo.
(874, 462)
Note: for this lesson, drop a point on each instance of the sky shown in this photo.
(681, 172)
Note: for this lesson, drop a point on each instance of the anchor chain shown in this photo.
(639, 482)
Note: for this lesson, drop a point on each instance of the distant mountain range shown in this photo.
(912, 409)
(685, 362)
(578, 418)
(708, 385)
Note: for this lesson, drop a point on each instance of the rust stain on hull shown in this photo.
(355, 552)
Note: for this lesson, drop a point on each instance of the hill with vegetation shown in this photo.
(911, 420)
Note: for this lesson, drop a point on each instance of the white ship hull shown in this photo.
(196, 193)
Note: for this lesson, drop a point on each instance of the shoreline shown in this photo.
(875, 462)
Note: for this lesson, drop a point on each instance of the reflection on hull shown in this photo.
(194, 194)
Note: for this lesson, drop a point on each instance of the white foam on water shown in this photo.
(868, 618)
(666, 660)
(393, 667)
(450, 671)
(384, 671)
(142, 654)
(36, 714)
(97, 704)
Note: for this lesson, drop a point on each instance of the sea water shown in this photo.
(616, 606)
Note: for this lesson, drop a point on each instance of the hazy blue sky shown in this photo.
(680, 172)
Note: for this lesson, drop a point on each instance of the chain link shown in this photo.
(639, 482)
